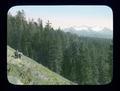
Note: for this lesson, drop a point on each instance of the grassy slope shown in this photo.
(26, 71)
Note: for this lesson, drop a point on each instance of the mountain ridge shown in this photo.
(100, 32)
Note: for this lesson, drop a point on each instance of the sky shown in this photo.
(65, 16)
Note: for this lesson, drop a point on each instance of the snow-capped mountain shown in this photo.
(99, 32)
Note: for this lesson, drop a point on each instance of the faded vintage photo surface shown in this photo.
(60, 45)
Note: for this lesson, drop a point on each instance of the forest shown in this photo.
(83, 60)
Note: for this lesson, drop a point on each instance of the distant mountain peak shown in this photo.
(97, 28)
(91, 31)
(81, 28)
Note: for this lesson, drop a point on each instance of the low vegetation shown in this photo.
(26, 71)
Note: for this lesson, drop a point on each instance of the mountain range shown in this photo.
(98, 32)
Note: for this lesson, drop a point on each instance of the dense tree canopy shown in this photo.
(79, 59)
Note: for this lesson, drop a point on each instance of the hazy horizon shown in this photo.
(69, 16)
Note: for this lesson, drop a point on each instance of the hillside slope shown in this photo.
(26, 71)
